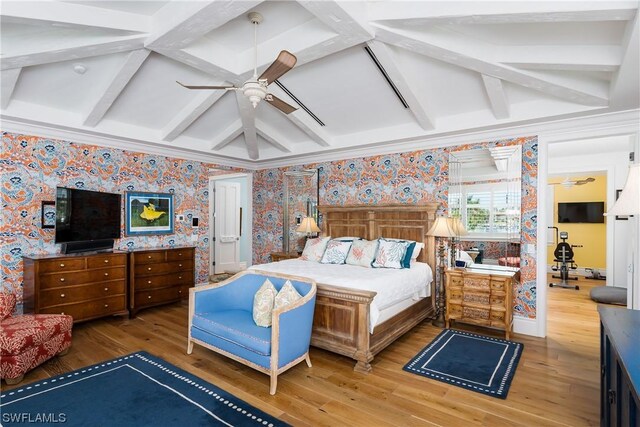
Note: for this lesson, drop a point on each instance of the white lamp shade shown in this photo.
(458, 227)
(442, 228)
(308, 225)
(629, 201)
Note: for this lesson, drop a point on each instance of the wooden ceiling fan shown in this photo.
(256, 87)
(567, 183)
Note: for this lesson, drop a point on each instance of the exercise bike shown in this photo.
(563, 255)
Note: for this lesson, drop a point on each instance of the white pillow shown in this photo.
(263, 302)
(287, 295)
(314, 249)
(336, 252)
(416, 249)
(390, 253)
(363, 253)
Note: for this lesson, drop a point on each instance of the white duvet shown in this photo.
(392, 286)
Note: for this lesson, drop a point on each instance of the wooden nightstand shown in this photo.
(280, 256)
(480, 296)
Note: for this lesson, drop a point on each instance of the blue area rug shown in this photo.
(471, 361)
(133, 390)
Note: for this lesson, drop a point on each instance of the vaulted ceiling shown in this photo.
(107, 70)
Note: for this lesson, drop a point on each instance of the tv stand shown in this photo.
(94, 246)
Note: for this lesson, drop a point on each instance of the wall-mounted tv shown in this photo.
(84, 216)
(581, 212)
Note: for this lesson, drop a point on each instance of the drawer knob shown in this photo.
(106, 274)
(149, 281)
(106, 261)
(179, 253)
(61, 295)
(61, 265)
(179, 265)
(149, 297)
(149, 257)
(106, 289)
(62, 279)
(149, 268)
(180, 291)
(179, 277)
(106, 305)
(62, 312)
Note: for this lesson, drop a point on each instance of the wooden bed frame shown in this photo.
(341, 319)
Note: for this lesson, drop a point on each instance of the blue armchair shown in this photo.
(221, 319)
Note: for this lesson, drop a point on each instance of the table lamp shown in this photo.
(308, 226)
(442, 227)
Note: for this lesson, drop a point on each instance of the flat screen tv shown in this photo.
(85, 216)
(581, 212)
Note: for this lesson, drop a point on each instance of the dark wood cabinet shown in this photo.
(83, 286)
(620, 366)
(160, 276)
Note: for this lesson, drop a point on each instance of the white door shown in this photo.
(227, 227)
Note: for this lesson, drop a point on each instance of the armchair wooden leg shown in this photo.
(274, 383)
(308, 360)
(63, 352)
(12, 381)
(189, 347)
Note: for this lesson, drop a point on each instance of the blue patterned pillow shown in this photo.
(390, 254)
(336, 252)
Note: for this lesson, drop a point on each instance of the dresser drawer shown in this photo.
(180, 254)
(455, 281)
(151, 282)
(475, 313)
(455, 311)
(162, 268)
(476, 283)
(498, 285)
(113, 260)
(57, 280)
(455, 294)
(497, 315)
(61, 264)
(497, 299)
(149, 257)
(157, 296)
(75, 294)
(476, 298)
(90, 309)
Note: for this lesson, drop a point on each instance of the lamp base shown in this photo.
(438, 322)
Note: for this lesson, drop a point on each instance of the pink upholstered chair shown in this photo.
(29, 340)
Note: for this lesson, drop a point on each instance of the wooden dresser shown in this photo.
(159, 276)
(480, 296)
(619, 366)
(83, 286)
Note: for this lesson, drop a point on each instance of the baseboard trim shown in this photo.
(580, 271)
(525, 326)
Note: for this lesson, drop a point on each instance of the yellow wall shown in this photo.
(592, 237)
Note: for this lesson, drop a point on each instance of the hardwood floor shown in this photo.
(556, 384)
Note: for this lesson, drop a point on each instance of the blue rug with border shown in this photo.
(475, 362)
(134, 390)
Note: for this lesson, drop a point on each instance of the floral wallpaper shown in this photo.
(32, 167)
(412, 178)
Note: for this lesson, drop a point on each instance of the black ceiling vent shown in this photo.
(375, 60)
(304, 107)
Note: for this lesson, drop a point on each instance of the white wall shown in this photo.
(610, 154)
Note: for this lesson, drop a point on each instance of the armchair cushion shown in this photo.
(20, 333)
(263, 302)
(237, 327)
(287, 295)
(7, 304)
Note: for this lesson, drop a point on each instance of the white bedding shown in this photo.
(391, 285)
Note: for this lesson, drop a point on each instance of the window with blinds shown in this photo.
(487, 209)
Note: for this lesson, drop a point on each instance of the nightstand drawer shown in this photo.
(476, 298)
(498, 285)
(476, 283)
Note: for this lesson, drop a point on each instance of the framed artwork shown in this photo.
(148, 213)
(48, 214)
(620, 217)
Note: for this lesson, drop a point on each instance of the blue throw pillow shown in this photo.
(406, 261)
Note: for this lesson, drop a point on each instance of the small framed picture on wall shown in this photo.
(48, 214)
(148, 213)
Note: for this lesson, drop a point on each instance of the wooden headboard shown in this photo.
(410, 222)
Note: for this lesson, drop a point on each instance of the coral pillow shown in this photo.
(287, 295)
(363, 253)
(263, 302)
(314, 249)
(336, 252)
(7, 303)
(390, 254)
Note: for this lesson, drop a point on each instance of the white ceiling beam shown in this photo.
(225, 137)
(214, 70)
(497, 97)
(561, 58)
(181, 23)
(272, 136)
(625, 86)
(126, 72)
(8, 80)
(422, 113)
(75, 15)
(248, 117)
(348, 20)
(454, 52)
(416, 13)
(83, 49)
(198, 105)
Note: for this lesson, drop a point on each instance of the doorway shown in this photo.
(231, 233)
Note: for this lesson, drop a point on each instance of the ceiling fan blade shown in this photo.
(205, 87)
(283, 63)
(281, 105)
